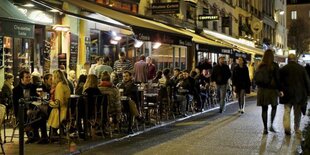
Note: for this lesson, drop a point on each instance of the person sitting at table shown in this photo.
(130, 90)
(90, 89)
(114, 107)
(60, 97)
(80, 84)
(7, 92)
(25, 89)
(188, 85)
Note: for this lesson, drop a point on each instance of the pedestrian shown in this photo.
(296, 87)
(241, 82)
(219, 77)
(267, 79)
(141, 70)
(99, 69)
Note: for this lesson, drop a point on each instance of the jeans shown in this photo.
(287, 116)
(222, 92)
(241, 99)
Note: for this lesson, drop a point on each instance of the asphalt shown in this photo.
(202, 133)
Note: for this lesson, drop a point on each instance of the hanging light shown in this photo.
(114, 42)
(63, 28)
(156, 45)
(138, 43)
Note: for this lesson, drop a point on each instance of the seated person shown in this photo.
(25, 89)
(59, 97)
(114, 107)
(130, 90)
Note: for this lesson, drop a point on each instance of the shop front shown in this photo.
(211, 53)
(16, 42)
(167, 46)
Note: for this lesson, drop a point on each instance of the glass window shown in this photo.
(294, 15)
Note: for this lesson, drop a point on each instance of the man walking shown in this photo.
(220, 76)
(295, 86)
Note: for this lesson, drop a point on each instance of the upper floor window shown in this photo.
(294, 15)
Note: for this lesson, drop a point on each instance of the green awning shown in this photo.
(10, 12)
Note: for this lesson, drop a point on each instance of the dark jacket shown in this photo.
(241, 78)
(220, 74)
(294, 84)
(6, 96)
(18, 94)
(269, 94)
(130, 90)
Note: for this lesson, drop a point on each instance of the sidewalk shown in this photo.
(82, 146)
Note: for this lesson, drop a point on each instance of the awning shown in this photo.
(144, 29)
(202, 40)
(10, 12)
(13, 22)
(234, 42)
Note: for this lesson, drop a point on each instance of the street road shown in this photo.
(211, 133)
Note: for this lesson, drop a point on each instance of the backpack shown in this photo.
(262, 77)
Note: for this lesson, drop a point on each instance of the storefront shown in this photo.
(16, 42)
(167, 46)
(211, 53)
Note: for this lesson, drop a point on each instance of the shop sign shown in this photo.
(162, 37)
(166, 8)
(38, 16)
(15, 29)
(208, 17)
(226, 51)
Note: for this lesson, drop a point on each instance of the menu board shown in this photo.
(1, 51)
(73, 51)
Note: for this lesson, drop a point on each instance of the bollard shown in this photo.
(21, 126)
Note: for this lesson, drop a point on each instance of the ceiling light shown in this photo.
(114, 42)
(138, 43)
(117, 38)
(63, 28)
(28, 5)
(156, 45)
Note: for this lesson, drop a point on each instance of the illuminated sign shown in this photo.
(166, 8)
(208, 17)
(38, 16)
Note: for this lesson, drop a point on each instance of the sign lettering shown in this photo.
(208, 17)
(166, 8)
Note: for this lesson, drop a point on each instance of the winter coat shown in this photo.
(62, 95)
(220, 74)
(113, 98)
(241, 79)
(269, 95)
(294, 84)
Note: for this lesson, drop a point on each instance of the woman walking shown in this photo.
(241, 82)
(267, 79)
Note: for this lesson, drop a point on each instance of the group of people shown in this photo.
(290, 83)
